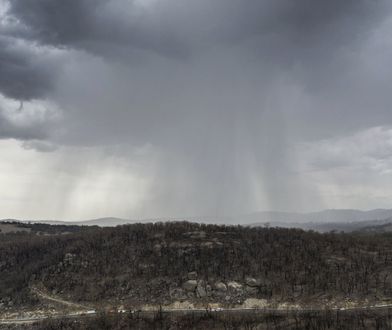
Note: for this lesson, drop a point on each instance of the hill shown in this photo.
(340, 220)
(377, 228)
(194, 265)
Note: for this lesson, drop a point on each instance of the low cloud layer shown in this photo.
(30, 121)
(368, 151)
(213, 99)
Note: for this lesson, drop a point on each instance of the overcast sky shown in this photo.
(159, 108)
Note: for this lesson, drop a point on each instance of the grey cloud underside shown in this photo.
(311, 37)
(312, 42)
(175, 28)
(23, 76)
(8, 129)
(107, 28)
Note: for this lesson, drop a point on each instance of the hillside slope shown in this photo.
(195, 264)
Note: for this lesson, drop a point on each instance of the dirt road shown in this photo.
(86, 311)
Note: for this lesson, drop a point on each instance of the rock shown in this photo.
(209, 290)
(250, 281)
(190, 285)
(192, 276)
(235, 286)
(200, 290)
(252, 290)
(220, 286)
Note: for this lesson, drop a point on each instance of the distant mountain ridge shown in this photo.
(274, 218)
(326, 216)
(101, 222)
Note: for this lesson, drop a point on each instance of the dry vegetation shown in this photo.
(163, 264)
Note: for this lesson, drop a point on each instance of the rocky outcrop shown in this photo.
(252, 290)
(201, 291)
(234, 286)
(231, 292)
(220, 286)
(190, 285)
(252, 285)
(250, 281)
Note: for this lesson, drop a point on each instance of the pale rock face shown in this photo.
(235, 286)
(250, 281)
(200, 290)
(181, 305)
(254, 303)
(220, 286)
(190, 285)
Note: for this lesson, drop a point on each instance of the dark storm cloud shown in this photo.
(25, 73)
(309, 39)
(175, 28)
(98, 26)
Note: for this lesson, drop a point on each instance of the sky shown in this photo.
(176, 108)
